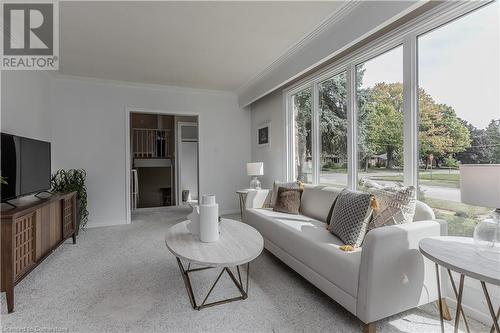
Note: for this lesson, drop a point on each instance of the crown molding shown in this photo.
(141, 85)
(331, 20)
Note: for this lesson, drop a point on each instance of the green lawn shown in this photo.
(442, 178)
(438, 177)
(461, 218)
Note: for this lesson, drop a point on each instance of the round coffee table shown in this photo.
(238, 244)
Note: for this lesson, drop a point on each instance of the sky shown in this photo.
(458, 65)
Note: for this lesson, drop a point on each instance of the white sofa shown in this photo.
(387, 275)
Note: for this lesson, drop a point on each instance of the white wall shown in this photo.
(25, 104)
(85, 121)
(89, 132)
(270, 108)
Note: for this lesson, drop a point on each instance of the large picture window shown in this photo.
(459, 111)
(408, 108)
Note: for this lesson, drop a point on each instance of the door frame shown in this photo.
(128, 111)
(178, 162)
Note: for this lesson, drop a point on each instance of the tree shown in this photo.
(333, 117)
(385, 121)
(478, 151)
(441, 131)
(485, 144)
(303, 127)
(493, 140)
(380, 124)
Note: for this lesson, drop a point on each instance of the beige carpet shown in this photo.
(123, 279)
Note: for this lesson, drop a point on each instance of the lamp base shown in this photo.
(487, 236)
(255, 183)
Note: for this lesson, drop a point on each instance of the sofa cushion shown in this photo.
(351, 213)
(288, 200)
(308, 241)
(277, 185)
(317, 201)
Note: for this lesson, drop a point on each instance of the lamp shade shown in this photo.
(480, 184)
(255, 169)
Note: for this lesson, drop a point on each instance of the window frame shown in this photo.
(405, 36)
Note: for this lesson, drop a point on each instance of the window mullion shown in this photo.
(352, 148)
(316, 147)
(288, 137)
(410, 110)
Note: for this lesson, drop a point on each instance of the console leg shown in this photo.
(74, 237)
(10, 299)
(369, 328)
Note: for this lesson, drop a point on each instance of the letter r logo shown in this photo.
(28, 29)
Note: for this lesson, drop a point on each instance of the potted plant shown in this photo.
(73, 180)
(185, 195)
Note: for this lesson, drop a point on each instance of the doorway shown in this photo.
(187, 162)
(162, 160)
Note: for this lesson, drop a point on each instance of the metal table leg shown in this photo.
(238, 283)
(498, 317)
(459, 302)
(439, 299)
(490, 307)
(456, 296)
(242, 198)
(241, 205)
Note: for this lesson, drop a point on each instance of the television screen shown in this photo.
(25, 166)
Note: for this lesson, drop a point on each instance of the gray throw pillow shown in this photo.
(288, 200)
(396, 205)
(350, 216)
(277, 185)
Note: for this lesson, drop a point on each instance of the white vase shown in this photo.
(209, 219)
(194, 225)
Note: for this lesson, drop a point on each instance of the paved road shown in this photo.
(437, 192)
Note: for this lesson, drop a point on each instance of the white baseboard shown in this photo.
(230, 211)
(106, 224)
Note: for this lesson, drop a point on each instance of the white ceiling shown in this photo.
(211, 45)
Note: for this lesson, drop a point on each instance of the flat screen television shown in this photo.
(25, 165)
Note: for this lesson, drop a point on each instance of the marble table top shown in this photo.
(238, 244)
(459, 254)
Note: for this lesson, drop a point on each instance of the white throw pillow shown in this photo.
(396, 205)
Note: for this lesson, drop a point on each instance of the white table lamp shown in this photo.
(254, 170)
(480, 186)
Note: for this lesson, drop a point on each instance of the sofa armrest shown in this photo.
(257, 198)
(394, 276)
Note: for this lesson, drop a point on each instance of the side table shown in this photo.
(242, 195)
(458, 254)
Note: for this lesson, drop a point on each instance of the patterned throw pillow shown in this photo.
(350, 216)
(288, 200)
(277, 185)
(396, 205)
